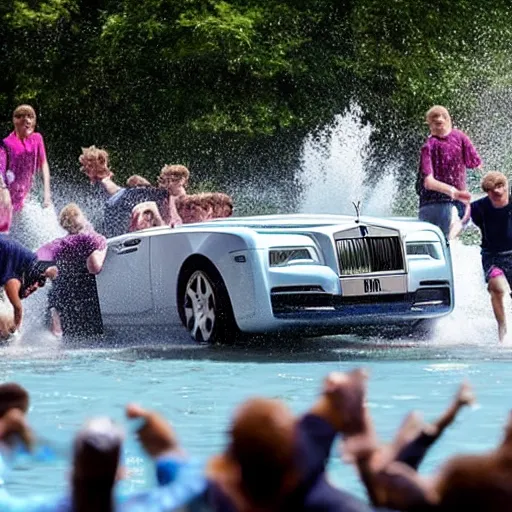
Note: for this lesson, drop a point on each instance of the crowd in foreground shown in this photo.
(73, 261)
(273, 460)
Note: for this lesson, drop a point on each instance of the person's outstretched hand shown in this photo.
(156, 434)
(463, 196)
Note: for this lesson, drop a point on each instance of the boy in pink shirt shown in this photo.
(26, 155)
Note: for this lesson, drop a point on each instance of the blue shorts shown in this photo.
(440, 214)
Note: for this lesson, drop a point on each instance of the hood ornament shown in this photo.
(357, 206)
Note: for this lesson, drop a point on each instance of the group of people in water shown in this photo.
(446, 202)
(72, 261)
(274, 461)
(443, 200)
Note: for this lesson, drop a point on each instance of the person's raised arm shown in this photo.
(159, 441)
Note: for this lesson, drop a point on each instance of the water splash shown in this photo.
(333, 172)
(472, 321)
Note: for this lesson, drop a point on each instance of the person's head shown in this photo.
(144, 220)
(95, 164)
(34, 277)
(263, 445)
(495, 185)
(24, 120)
(96, 457)
(174, 178)
(137, 181)
(222, 205)
(439, 120)
(72, 219)
(13, 396)
(194, 208)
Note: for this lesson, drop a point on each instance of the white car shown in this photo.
(309, 273)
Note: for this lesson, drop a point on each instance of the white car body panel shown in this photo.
(139, 282)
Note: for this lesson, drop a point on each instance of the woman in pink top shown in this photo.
(26, 155)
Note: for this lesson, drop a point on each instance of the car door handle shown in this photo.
(126, 250)
(132, 242)
(127, 246)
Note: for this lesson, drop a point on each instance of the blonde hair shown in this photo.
(437, 109)
(94, 153)
(170, 172)
(221, 204)
(493, 179)
(68, 218)
(137, 181)
(24, 109)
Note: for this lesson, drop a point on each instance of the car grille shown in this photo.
(369, 254)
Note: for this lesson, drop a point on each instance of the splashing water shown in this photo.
(333, 176)
(472, 321)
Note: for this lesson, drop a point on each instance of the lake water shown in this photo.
(198, 387)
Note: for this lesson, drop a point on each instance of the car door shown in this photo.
(124, 284)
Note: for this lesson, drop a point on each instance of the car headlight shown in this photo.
(425, 249)
(292, 256)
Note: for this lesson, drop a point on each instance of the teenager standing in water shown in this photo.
(26, 156)
(445, 156)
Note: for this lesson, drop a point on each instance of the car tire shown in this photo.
(204, 306)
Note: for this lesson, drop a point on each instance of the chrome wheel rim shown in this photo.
(200, 307)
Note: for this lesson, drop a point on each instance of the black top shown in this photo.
(495, 225)
(15, 259)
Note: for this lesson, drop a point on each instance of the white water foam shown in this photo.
(333, 174)
(472, 321)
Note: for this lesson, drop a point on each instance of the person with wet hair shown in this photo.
(73, 300)
(96, 467)
(119, 201)
(26, 155)
(21, 274)
(137, 181)
(492, 215)
(442, 175)
(222, 205)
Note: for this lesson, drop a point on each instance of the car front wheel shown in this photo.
(207, 311)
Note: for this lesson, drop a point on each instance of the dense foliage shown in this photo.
(236, 84)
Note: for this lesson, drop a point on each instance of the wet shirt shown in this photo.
(14, 259)
(495, 225)
(446, 158)
(73, 248)
(25, 158)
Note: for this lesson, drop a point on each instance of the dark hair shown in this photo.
(94, 476)
(35, 273)
(12, 396)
